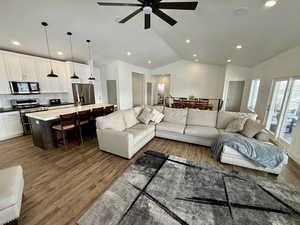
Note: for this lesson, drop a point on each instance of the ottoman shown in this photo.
(11, 193)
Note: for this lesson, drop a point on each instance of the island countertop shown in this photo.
(55, 113)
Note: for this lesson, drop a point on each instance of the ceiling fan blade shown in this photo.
(117, 4)
(147, 21)
(164, 17)
(131, 15)
(178, 5)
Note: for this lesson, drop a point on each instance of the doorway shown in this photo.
(234, 96)
(149, 93)
(138, 89)
(112, 92)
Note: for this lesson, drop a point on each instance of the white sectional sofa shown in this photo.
(122, 134)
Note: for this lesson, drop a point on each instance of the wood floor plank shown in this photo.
(61, 184)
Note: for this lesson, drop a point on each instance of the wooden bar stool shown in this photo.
(67, 124)
(109, 110)
(83, 120)
(97, 112)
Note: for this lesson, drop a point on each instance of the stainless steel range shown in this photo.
(27, 106)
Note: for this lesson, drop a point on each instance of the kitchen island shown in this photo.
(42, 122)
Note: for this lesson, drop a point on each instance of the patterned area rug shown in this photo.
(165, 189)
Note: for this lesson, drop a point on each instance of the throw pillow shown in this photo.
(236, 125)
(145, 116)
(157, 116)
(263, 136)
(251, 128)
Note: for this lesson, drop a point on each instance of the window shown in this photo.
(284, 108)
(253, 94)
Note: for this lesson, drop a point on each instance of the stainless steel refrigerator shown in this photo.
(84, 93)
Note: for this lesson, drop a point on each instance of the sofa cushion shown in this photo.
(199, 131)
(236, 125)
(157, 116)
(202, 118)
(252, 128)
(171, 127)
(113, 121)
(11, 186)
(177, 116)
(146, 116)
(225, 117)
(138, 110)
(129, 117)
(140, 131)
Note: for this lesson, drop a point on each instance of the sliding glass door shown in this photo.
(284, 108)
(279, 91)
(291, 114)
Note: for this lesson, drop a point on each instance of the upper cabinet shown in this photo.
(4, 84)
(20, 67)
(13, 66)
(28, 69)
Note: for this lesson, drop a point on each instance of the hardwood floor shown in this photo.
(60, 185)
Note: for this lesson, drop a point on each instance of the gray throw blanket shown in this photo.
(263, 154)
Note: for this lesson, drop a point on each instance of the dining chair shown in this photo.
(108, 110)
(67, 124)
(83, 120)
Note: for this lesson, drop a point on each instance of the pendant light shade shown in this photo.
(90, 60)
(51, 74)
(74, 76)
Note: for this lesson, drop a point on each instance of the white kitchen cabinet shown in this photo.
(28, 69)
(43, 69)
(13, 66)
(63, 82)
(4, 84)
(11, 125)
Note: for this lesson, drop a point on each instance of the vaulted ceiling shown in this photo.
(214, 29)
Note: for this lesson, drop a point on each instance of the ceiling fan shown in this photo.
(153, 6)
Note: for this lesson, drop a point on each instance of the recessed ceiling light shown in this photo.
(229, 60)
(196, 60)
(239, 46)
(60, 53)
(187, 41)
(149, 61)
(195, 55)
(129, 53)
(16, 43)
(270, 3)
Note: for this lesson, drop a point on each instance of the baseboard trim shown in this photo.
(10, 137)
(295, 157)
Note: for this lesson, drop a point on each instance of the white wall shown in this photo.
(122, 73)
(283, 65)
(125, 83)
(199, 80)
(238, 73)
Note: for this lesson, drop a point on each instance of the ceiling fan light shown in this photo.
(147, 10)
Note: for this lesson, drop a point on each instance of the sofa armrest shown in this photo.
(116, 142)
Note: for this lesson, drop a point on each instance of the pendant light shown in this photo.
(74, 76)
(51, 74)
(90, 60)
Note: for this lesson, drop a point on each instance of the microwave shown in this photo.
(24, 88)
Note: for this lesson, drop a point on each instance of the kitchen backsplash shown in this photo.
(44, 98)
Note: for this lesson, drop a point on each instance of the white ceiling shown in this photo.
(214, 30)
